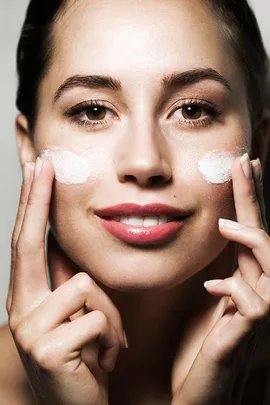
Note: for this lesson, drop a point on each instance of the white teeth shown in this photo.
(150, 221)
(125, 220)
(162, 219)
(136, 221)
(143, 220)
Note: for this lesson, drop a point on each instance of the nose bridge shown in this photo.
(144, 157)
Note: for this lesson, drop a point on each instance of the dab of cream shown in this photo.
(216, 166)
(69, 168)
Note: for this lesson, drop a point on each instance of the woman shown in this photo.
(147, 114)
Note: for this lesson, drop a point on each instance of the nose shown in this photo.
(144, 158)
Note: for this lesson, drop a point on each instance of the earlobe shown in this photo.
(24, 142)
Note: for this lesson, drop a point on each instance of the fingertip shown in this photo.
(47, 165)
(212, 283)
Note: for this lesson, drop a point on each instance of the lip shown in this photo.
(139, 235)
(147, 209)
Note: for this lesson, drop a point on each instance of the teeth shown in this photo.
(125, 220)
(143, 220)
(136, 221)
(150, 221)
(162, 219)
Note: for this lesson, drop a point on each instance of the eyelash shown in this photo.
(75, 113)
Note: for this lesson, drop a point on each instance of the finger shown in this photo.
(257, 174)
(78, 333)
(247, 213)
(255, 239)
(60, 267)
(252, 311)
(69, 298)
(245, 198)
(30, 278)
(28, 169)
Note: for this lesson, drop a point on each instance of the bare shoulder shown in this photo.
(14, 386)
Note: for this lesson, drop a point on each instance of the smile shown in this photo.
(142, 224)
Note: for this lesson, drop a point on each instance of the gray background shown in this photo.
(11, 18)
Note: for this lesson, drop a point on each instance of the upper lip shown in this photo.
(148, 209)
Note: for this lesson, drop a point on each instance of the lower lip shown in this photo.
(140, 235)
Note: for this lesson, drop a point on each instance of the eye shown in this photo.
(196, 112)
(90, 113)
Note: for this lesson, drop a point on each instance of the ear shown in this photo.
(24, 142)
(261, 138)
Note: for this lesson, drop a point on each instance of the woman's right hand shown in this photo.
(50, 343)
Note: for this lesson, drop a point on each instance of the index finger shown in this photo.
(30, 277)
(28, 168)
(248, 213)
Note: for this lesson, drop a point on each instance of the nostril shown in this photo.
(156, 180)
(129, 177)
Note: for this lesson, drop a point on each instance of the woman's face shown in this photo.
(145, 143)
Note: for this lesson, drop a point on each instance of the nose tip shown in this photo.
(147, 175)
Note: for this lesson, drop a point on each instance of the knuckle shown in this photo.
(101, 320)
(36, 199)
(8, 305)
(29, 247)
(21, 249)
(262, 238)
(12, 321)
(22, 335)
(43, 355)
(83, 282)
(259, 312)
(32, 200)
(14, 240)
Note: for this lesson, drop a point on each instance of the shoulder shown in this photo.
(14, 386)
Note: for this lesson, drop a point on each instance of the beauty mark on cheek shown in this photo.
(216, 166)
(69, 168)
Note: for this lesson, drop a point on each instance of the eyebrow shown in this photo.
(181, 79)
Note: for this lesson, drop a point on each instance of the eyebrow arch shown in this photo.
(175, 79)
(190, 77)
(90, 81)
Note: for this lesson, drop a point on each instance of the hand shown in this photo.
(49, 342)
(213, 353)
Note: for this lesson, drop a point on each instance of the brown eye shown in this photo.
(192, 112)
(96, 113)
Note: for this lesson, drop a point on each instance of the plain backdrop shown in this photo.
(11, 18)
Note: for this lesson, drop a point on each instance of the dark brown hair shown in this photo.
(35, 51)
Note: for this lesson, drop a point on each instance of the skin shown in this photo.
(142, 140)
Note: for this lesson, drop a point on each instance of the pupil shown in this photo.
(96, 112)
(192, 111)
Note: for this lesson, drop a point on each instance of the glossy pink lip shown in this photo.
(141, 209)
(142, 235)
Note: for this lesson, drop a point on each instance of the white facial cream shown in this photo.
(69, 168)
(216, 166)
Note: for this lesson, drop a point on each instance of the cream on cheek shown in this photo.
(69, 167)
(216, 165)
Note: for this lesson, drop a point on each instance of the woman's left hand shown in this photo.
(214, 359)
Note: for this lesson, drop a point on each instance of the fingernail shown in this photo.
(126, 341)
(27, 169)
(38, 167)
(230, 225)
(211, 283)
(257, 169)
(245, 161)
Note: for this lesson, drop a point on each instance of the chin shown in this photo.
(130, 268)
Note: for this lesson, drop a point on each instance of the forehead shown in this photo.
(139, 40)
